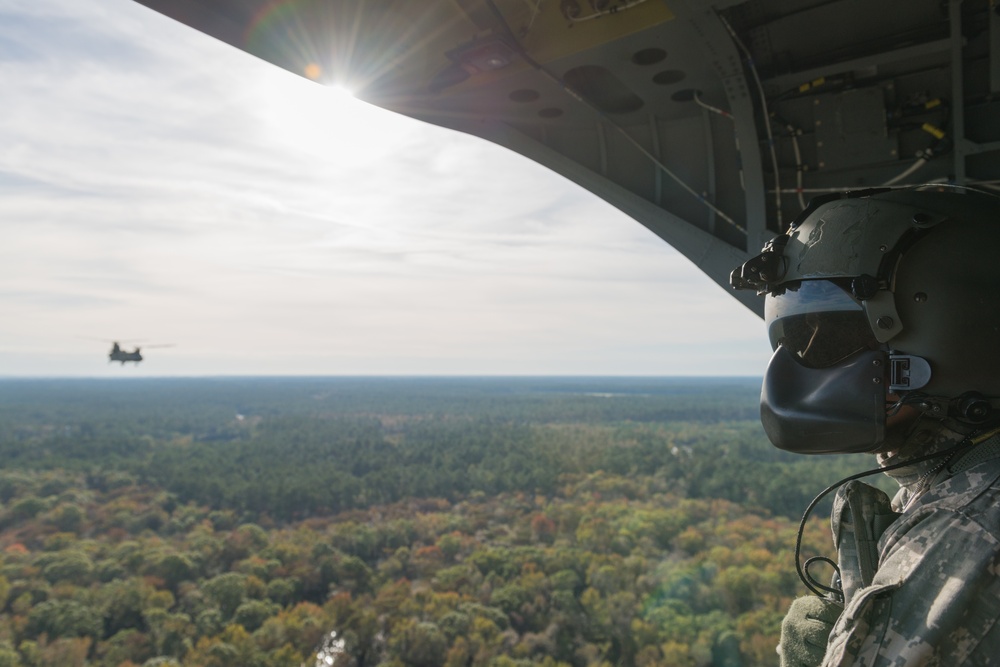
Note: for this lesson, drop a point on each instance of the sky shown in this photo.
(162, 188)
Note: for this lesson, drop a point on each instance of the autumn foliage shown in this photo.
(562, 532)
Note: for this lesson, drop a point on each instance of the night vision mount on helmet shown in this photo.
(877, 299)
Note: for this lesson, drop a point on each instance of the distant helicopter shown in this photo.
(118, 354)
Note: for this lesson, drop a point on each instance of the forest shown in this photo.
(279, 522)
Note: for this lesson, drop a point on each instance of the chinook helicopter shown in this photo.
(118, 354)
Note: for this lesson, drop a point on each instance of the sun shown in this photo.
(314, 72)
(308, 116)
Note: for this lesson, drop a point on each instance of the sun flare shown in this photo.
(325, 120)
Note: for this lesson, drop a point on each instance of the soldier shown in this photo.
(883, 310)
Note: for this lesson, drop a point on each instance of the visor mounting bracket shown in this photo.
(765, 269)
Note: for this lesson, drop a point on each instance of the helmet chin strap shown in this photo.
(914, 434)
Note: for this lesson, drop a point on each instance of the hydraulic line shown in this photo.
(794, 133)
(814, 191)
(798, 167)
(921, 161)
(736, 137)
(767, 117)
(536, 9)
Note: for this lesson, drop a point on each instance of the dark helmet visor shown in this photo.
(817, 321)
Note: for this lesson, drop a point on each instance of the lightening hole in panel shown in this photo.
(648, 56)
(603, 89)
(668, 77)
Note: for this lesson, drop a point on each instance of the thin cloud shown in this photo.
(173, 186)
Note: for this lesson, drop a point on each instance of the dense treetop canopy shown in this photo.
(435, 521)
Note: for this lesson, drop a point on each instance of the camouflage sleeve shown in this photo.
(935, 599)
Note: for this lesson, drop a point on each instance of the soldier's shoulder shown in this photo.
(967, 503)
(973, 489)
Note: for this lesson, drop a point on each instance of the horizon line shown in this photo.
(386, 376)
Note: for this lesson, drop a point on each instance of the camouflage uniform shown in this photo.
(935, 596)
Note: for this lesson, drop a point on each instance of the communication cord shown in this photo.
(802, 569)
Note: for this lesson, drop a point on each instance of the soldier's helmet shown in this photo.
(874, 300)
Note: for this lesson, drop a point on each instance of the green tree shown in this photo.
(63, 618)
(75, 566)
(419, 644)
(174, 568)
(9, 657)
(252, 613)
(227, 591)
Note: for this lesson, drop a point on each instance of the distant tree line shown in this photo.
(368, 441)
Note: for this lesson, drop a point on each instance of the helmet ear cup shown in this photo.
(947, 292)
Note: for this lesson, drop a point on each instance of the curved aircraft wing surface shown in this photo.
(709, 122)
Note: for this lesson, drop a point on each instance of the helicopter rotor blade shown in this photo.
(120, 341)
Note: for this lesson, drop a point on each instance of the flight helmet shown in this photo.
(874, 300)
